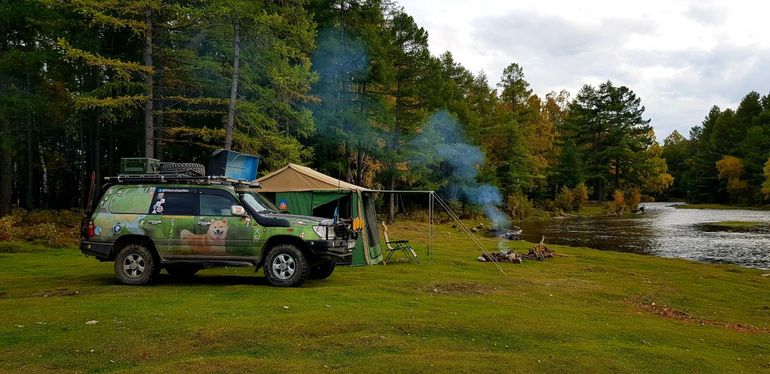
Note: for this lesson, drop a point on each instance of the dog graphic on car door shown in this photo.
(213, 240)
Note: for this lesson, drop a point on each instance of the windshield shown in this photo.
(258, 202)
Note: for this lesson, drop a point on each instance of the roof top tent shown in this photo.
(302, 190)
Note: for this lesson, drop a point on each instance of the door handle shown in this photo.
(154, 222)
(204, 223)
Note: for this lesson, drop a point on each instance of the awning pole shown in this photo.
(430, 225)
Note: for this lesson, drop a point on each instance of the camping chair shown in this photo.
(402, 246)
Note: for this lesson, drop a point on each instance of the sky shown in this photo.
(680, 57)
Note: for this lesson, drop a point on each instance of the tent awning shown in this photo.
(295, 178)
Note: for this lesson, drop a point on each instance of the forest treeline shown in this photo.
(725, 159)
(345, 86)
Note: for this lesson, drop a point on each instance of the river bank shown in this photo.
(588, 311)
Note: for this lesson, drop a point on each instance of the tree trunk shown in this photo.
(348, 163)
(44, 178)
(6, 167)
(159, 126)
(600, 190)
(396, 141)
(392, 200)
(29, 202)
(229, 127)
(360, 165)
(149, 128)
(111, 150)
(97, 149)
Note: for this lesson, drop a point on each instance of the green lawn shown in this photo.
(585, 312)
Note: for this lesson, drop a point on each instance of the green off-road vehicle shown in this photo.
(183, 224)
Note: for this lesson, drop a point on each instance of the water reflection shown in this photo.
(664, 231)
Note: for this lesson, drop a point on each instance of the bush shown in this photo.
(618, 204)
(48, 227)
(564, 199)
(471, 211)
(579, 195)
(549, 205)
(9, 227)
(519, 206)
(634, 198)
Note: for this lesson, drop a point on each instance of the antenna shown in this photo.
(339, 191)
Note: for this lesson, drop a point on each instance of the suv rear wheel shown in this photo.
(286, 266)
(135, 264)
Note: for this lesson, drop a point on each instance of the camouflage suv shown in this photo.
(183, 226)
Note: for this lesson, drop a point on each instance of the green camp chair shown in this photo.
(402, 246)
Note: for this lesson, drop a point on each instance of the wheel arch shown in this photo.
(125, 240)
(283, 239)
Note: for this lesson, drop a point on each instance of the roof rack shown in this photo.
(180, 178)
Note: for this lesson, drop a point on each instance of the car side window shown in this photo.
(173, 203)
(215, 205)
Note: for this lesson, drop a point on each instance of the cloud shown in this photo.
(706, 13)
(679, 57)
(550, 35)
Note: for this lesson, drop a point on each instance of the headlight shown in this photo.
(323, 231)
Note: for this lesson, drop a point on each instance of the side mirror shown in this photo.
(238, 210)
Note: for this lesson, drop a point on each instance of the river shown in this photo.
(664, 231)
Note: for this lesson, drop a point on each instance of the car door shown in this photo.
(171, 220)
(218, 232)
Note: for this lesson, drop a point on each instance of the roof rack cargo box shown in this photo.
(139, 165)
(234, 165)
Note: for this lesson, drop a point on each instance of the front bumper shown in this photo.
(337, 248)
(101, 251)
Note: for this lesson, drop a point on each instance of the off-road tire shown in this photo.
(188, 168)
(286, 266)
(182, 271)
(136, 265)
(322, 269)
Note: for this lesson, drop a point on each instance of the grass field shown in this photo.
(589, 311)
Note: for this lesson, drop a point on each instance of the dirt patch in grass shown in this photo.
(666, 311)
(459, 288)
(56, 292)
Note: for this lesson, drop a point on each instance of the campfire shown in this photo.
(539, 252)
(502, 256)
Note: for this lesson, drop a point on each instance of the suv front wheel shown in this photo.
(286, 266)
(135, 265)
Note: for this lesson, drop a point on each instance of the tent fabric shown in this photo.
(301, 190)
(372, 228)
(304, 202)
(293, 177)
(321, 198)
(294, 203)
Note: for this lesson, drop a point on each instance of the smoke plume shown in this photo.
(442, 142)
